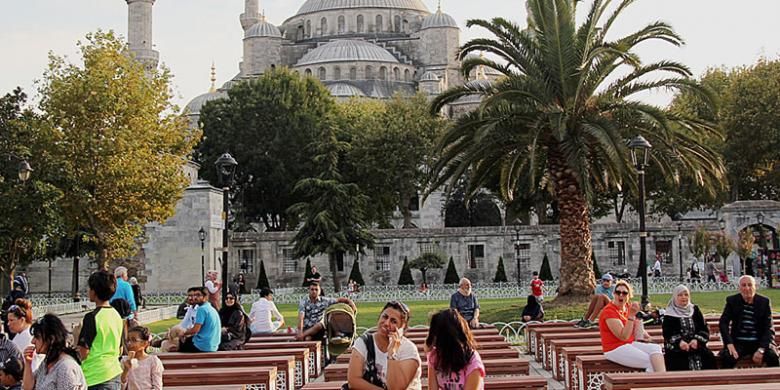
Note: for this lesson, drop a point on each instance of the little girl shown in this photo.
(140, 371)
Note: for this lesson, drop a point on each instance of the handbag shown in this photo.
(371, 375)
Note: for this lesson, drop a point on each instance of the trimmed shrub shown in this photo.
(500, 271)
(545, 273)
(406, 275)
(452, 274)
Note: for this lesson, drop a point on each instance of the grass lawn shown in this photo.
(493, 310)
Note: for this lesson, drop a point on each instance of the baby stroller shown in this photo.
(340, 328)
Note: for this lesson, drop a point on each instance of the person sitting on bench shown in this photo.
(598, 300)
(686, 334)
(533, 310)
(618, 327)
(204, 336)
(311, 311)
(746, 327)
(466, 303)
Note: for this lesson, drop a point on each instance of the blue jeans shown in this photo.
(111, 384)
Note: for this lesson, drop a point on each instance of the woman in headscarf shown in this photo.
(686, 334)
(234, 324)
(533, 310)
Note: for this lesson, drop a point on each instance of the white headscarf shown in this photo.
(676, 310)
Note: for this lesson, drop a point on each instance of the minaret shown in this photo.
(139, 32)
(213, 87)
(251, 14)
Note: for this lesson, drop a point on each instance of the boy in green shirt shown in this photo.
(102, 332)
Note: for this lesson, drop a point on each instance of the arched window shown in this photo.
(337, 73)
(300, 33)
(369, 73)
(307, 72)
(396, 74)
(383, 73)
(380, 25)
(360, 24)
(323, 26)
(353, 73)
(406, 26)
(407, 75)
(342, 25)
(308, 29)
(321, 73)
(397, 24)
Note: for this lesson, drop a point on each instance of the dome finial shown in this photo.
(439, 9)
(213, 87)
(262, 16)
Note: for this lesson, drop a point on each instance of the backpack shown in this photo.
(371, 375)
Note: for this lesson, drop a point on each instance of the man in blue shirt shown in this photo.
(466, 303)
(204, 336)
(599, 299)
(124, 291)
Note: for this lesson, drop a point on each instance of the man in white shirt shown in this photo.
(266, 318)
(189, 317)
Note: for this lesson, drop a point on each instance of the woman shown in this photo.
(136, 292)
(60, 369)
(453, 360)
(234, 324)
(20, 319)
(618, 326)
(396, 362)
(686, 334)
(241, 284)
(533, 310)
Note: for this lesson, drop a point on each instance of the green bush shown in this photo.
(500, 271)
(307, 274)
(451, 277)
(355, 275)
(545, 273)
(406, 275)
(262, 279)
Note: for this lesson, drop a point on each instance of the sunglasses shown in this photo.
(621, 292)
(230, 298)
(17, 310)
(400, 306)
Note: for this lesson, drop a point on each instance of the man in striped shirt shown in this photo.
(746, 327)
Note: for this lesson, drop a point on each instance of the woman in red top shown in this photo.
(618, 326)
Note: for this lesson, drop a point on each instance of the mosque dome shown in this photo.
(437, 20)
(344, 90)
(194, 106)
(429, 76)
(312, 6)
(263, 29)
(347, 51)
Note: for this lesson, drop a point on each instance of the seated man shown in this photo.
(205, 334)
(263, 314)
(600, 298)
(466, 303)
(311, 311)
(746, 327)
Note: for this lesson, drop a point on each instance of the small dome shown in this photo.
(438, 20)
(347, 51)
(194, 106)
(263, 29)
(344, 90)
(429, 76)
(311, 6)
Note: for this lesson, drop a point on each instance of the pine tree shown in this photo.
(596, 270)
(355, 275)
(452, 274)
(545, 273)
(406, 274)
(500, 272)
(262, 279)
(307, 274)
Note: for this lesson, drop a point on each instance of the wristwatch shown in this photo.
(761, 350)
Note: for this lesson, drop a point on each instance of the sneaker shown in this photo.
(591, 325)
(581, 323)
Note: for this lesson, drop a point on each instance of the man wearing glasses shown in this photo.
(204, 336)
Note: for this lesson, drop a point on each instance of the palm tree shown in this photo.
(558, 118)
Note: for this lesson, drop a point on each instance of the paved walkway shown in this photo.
(535, 368)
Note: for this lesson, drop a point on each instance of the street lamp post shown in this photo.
(517, 252)
(679, 248)
(639, 145)
(202, 237)
(762, 245)
(226, 170)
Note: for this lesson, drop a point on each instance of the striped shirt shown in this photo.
(747, 331)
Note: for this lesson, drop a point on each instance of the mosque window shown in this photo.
(323, 26)
(337, 73)
(397, 24)
(307, 72)
(301, 34)
(353, 73)
(383, 73)
(369, 73)
(342, 25)
(308, 29)
(405, 26)
(407, 75)
(379, 23)
(396, 74)
(360, 24)
(321, 73)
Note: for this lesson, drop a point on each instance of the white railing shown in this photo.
(154, 315)
(62, 308)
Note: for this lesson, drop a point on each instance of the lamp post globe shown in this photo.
(24, 171)
(226, 170)
(202, 238)
(517, 253)
(640, 155)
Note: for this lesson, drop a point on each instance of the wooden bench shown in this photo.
(301, 356)
(742, 386)
(504, 353)
(545, 356)
(315, 351)
(264, 378)
(285, 366)
(338, 371)
(534, 382)
(614, 381)
(223, 387)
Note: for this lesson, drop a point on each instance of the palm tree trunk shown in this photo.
(577, 279)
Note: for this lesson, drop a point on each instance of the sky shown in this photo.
(191, 34)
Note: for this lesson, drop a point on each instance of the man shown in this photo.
(710, 269)
(600, 298)
(124, 291)
(101, 337)
(191, 310)
(311, 311)
(315, 276)
(264, 312)
(746, 327)
(466, 303)
(537, 286)
(204, 336)
(657, 267)
(214, 288)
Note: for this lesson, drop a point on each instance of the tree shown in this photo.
(118, 143)
(723, 245)
(307, 273)
(596, 269)
(262, 278)
(425, 262)
(744, 246)
(269, 125)
(479, 210)
(405, 279)
(545, 273)
(451, 276)
(355, 275)
(332, 212)
(700, 243)
(500, 272)
(561, 114)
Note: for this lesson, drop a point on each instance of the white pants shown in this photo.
(275, 325)
(635, 355)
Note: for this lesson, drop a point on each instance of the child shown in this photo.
(140, 371)
(171, 342)
(536, 287)
(11, 374)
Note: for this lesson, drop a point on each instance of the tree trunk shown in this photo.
(577, 279)
(425, 280)
(75, 280)
(405, 198)
(334, 270)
